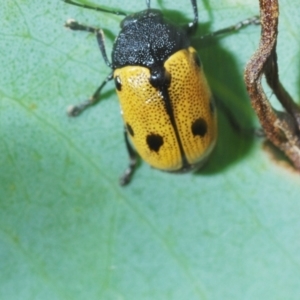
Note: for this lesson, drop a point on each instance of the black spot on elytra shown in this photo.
(199, 127)
(129, 129)
(197, 59)
(154, 141)
(118, 83)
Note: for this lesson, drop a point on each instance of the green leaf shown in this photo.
(69, 231)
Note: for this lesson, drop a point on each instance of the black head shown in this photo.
(147, 39)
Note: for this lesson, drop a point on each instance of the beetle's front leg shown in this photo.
(75, 110)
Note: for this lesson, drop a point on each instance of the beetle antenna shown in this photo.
(97, 8)
(148, 4)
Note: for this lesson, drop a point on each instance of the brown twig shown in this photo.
(281, 128)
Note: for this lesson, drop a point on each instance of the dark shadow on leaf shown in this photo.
(227, 84)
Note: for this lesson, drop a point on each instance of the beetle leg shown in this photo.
(74, 25)
(192, 27)
(75, 110)
(126, 177)
(250, 21)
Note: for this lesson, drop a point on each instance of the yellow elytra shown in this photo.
(144, 113)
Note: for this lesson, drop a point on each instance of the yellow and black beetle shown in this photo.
(166, 104)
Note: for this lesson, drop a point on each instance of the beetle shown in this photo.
(167, 106)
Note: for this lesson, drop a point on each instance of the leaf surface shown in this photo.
(69, 231)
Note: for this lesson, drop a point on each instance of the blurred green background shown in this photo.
(69, 231)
